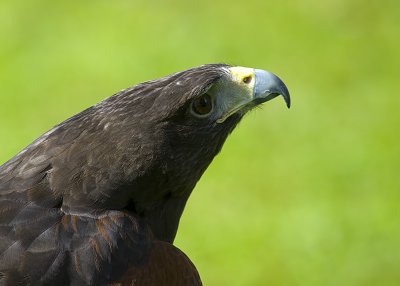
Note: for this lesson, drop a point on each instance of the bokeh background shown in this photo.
(306, 196)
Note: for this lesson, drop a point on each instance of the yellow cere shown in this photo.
(235, 93)
(244, 76)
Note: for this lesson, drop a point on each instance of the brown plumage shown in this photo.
(166, 263)
(97, 199)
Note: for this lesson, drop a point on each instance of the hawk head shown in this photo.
(178, 124)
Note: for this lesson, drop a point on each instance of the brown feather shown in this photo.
(167, 265)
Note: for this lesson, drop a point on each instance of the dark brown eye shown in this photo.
(202, 105)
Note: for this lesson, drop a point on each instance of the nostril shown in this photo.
(247, 79)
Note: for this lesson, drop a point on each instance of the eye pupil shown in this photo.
(202, 105)
(203, 102)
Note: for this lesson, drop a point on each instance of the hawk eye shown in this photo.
(202, 105)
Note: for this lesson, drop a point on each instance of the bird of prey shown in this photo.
(97, 199)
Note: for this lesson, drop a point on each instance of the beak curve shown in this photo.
(268, 86)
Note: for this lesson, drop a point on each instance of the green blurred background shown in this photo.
(306, 196)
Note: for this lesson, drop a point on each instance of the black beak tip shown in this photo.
(283, 90)
(287, 100)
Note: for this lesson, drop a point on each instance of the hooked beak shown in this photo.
(244, 89)
(268, 86)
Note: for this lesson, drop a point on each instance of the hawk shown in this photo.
(97, 199)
